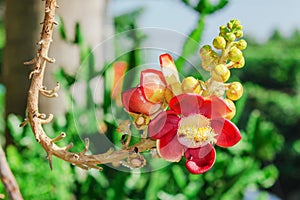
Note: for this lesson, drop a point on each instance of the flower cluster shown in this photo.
(187, 118)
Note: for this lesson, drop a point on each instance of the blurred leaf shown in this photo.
(78, 38)
(62, 29)
(65, 79)
(179, 176)
(270, 175)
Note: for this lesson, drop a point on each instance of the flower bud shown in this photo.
(232, 107)
(239, 64)
(205, 50)
(239, 34)
(235, 54)
(190, 85)
(234, 91)
(241, 44)
(220, 73)
(219, 42)
(230, 37)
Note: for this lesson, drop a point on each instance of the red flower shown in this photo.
(148, 96)
(191, 127)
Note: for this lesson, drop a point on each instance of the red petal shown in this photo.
(214, 107)
(169, 148)
(228, 133)
(187, 104)
(134, 101)
(200, 160)
(164, 123)
(153, 85)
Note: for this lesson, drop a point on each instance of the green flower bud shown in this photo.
(239, 33)
(230, 24)
(219, 42)
(235, 54)
(205, 50)
(241, 44)
(230, 37)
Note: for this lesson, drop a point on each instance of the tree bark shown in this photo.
(8, 178)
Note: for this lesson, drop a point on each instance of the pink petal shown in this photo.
(187, 104)
(134, 101)
(153, 85)
(200, 160)
(162, 124)
(169, 148)
(214, 107)
(228, 133)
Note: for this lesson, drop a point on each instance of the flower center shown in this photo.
(195, 131)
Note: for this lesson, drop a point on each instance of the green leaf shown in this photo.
(62, 29)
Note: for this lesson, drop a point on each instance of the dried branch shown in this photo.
(36, 119)
(8, 178)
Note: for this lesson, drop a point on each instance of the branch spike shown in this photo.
(24, 123)
(58, 138)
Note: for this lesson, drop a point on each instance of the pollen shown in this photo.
(195, 131)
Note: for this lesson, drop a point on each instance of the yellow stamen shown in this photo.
(195, 131)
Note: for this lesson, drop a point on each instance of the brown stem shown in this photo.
(8, 178)
(36, 119)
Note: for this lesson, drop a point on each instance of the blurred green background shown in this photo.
(264, 165)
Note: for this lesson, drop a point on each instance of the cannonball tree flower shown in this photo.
(147, 99)
(191, 127)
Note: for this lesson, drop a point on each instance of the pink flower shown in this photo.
(191, 127)
(148, 96)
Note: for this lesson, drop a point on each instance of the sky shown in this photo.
(259, 17)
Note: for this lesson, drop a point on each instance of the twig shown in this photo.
(8, 178)
(36, 119)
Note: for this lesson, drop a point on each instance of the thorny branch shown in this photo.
(37, 119)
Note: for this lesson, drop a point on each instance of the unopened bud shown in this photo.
(239, 64)
(241, 44)
(230, 37)
(234, 91)
(220, 73)
(235, 54)
(239, 34)
(219, 42)
(190, 85)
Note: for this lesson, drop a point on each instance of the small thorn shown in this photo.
(24, 123)
(49, 157)
(69, 146)
(61, 136)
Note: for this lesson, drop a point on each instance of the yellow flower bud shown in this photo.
(239, 64)
(190, 85)
(234, 91)
(220, 73)
(239, 34)
(219, 42)
(232, 107)
(235, 54)
(241, 44)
